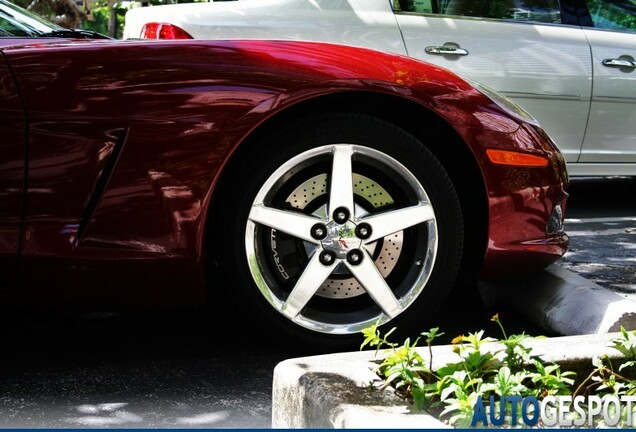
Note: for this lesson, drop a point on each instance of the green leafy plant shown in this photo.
(491, 367)
(403, 368)
(484, 369)
(605, 379)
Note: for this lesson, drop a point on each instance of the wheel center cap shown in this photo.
(341, 239)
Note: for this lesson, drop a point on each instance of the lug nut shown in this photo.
(327, 258)
(319, 231)
(354, 257)
(363, 231)
(341, 215)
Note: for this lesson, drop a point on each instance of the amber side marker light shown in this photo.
(505, 157)
(155, 30)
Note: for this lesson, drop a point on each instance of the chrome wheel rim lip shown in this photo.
(260, 214)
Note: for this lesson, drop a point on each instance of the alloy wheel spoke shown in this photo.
(341, 183)
(390, 222)
(313, 276)
(370, 278)
(292, 223)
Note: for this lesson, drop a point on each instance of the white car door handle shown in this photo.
(445, 50)
(619, 63)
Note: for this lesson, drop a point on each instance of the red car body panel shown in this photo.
(125, 142)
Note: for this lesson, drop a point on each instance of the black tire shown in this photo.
(394, 175)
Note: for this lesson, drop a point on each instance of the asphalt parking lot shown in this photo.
(178, 370)
(601, 223)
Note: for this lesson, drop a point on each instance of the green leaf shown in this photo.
(432, 334)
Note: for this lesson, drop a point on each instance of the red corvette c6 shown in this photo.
(321, 188)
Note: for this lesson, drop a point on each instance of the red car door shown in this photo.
(12, 174)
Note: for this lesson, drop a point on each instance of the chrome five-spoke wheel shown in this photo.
(335, 223)
(345, 224)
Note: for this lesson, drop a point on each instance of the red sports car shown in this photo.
(321, 188)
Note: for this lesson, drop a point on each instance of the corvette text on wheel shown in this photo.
(319, 188)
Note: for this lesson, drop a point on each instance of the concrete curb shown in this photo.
(330, 391)
(565, 303)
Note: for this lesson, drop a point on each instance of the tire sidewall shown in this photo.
(260, 159)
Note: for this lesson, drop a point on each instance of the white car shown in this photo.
(570, 63)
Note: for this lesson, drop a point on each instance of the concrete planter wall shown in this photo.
(330, 391)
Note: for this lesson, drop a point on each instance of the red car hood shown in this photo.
(29, 42)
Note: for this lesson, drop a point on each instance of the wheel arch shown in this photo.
(446, 144)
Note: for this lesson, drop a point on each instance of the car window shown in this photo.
(17, 22)
(14, 28)
(613, 14)
(546, 11)
(10, 28)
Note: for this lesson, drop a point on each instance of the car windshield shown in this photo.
(17, 22)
